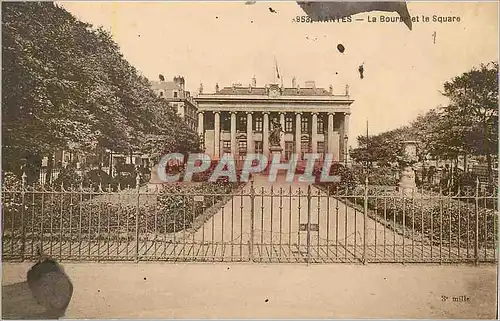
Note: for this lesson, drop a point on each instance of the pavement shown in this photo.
(340, 235)
(282, 214)
(202, 290)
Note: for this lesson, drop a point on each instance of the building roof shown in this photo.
(165, 85)
(264, 91)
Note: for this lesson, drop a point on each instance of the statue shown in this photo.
(275, 135)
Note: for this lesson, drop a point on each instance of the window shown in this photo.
(176, 94)
(288, 150)
(242, 123)
(258, 147)
(258, 124)
(242, 145)
(321, 147)
(304, 125)
(242, 149)
(226, 147)
(226, 122)
(288, 124)
(321, 125)
(161, 93)
(305, 147)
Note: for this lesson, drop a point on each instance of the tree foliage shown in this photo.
(468, 125)
(384, 148)
(67, 86)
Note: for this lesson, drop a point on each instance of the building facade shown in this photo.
(178, 98)
(237, 120)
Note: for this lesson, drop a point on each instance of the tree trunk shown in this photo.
(451, 174)
(110, 163)
(465, 162)
(490, 169)
(50, 166)
(487, 150)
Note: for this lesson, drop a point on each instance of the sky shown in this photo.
(231, 42)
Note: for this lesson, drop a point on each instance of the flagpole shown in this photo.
(275, 68)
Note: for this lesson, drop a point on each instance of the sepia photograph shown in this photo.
(249, 159)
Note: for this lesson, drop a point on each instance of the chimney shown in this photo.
(254, 82)
(310, 84)
(217, 87)
(330, 90)
(180, 82)
(294, 82)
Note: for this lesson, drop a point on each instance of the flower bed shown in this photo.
(72, 214)
(441, 219)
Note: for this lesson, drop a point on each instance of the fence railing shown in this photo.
(262, 223)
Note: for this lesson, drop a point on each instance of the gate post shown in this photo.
(309, 224)
(365, 216)
(137, 212)
(23, 231)
(252, 228)
(476, 238)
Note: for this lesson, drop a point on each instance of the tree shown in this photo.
(67, 86)
(384, 148)
(473, 111)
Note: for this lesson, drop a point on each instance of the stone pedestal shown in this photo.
(155, 183)
(407, 180)
(275, 150)
(407, 175)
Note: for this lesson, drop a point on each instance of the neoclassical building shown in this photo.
(237, 120)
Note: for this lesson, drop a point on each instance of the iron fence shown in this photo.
(257, 222)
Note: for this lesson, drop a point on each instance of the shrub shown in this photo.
(68, 178)
(441, 219)
(11, 181)
(383, 176)
(109, 215)
(95, 177)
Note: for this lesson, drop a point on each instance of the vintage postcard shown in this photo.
(249, 159)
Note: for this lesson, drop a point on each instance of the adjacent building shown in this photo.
(237, 120)
(178, 98)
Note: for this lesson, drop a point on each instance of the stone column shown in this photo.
(314, 133)
(201, 130)
(298, 133)
(330, 133)
(346, 135)
(250, 148)
(217, 135)
(233, 134)
(265, 134)
(282, 137)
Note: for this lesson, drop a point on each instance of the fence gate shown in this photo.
(298, 223)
